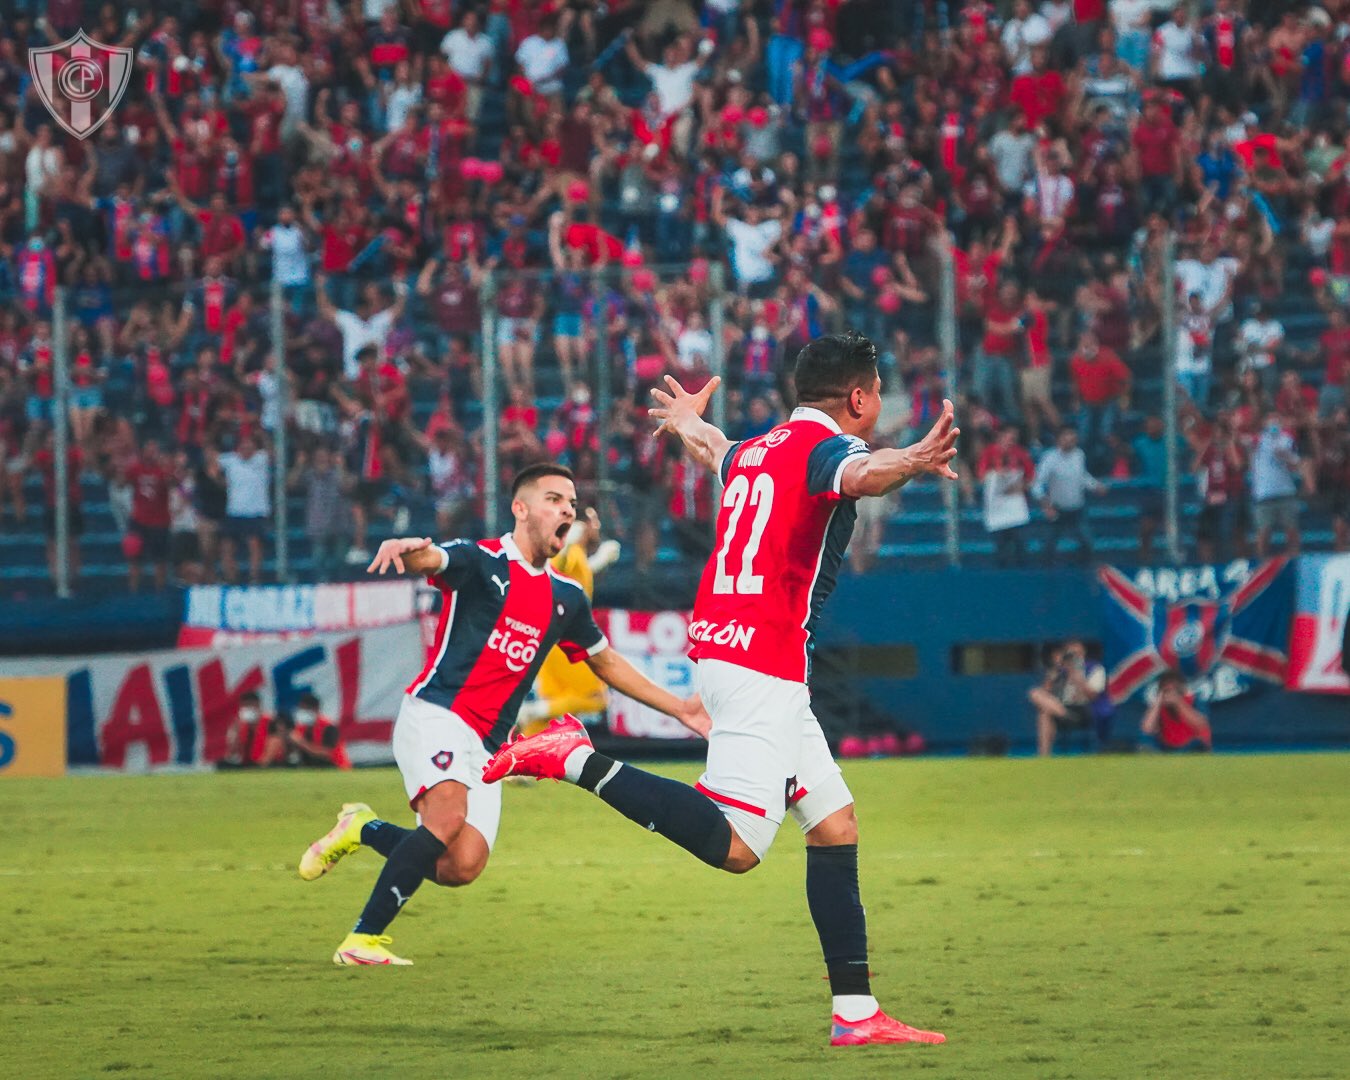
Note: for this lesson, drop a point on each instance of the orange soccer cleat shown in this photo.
(878, 1028)
(542, 755)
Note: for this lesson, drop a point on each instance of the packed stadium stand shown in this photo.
(585, 174)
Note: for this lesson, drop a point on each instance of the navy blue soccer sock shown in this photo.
(836, 909)
(412, 860)
(676, 811)
(382, 836)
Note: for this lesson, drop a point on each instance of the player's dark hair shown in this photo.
(249, 697)
(831, 366)
(307, 701)
(1172, 676)
(531, 473)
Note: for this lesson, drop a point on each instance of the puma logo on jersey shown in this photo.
(398, 895)
(501, 584)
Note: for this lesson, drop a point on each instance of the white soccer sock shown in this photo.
(855, 1007)
(575, 761)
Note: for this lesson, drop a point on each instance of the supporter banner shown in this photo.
(32, 727)
(175, 707)
(1320, 601)
(292, 609)
(1226, 628)
(657, 644)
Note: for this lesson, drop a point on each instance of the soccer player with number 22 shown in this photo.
(787, 513)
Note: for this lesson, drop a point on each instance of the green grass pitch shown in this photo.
(1117, 917)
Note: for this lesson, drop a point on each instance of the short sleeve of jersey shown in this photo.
(727, 459)
(825, 465)
(461, 555)
(582, 638)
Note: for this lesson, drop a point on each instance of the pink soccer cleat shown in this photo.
(541, 755)
(878, 1028)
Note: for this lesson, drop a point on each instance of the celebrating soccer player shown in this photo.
(787, 513)
(504, 609)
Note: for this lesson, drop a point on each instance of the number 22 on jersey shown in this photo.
(759, 496)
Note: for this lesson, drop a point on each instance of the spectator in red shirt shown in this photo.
(1334, 346)
(1157, 152)
(1101, 385)
(1222, 470)
(1173, 722)
(995, 359)
(148, 539)
(1040, 92)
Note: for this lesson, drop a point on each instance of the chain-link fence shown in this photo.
(406, 400)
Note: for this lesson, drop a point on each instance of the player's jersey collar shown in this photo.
(804, 412)
(513, 552)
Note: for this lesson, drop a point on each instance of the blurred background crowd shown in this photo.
(629, 189)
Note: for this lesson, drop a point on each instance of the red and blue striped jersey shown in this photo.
(782, 532)
(499, 618)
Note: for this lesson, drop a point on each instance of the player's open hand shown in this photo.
(695, 717)
(392, 551)
(679, 404)
(934, 452)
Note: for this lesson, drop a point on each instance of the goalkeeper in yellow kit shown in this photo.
(564, 687)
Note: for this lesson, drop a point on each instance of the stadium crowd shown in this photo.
(596, 162)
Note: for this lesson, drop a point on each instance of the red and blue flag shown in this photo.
(1243, 625)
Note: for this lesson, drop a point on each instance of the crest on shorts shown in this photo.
(80, 81)
(1227, 627)
(442, 760)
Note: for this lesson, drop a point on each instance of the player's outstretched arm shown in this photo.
(883, 471)
(613, 669)
(409, 555)
(681, 413)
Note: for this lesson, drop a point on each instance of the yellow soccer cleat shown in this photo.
(360, 949)
(342, 839)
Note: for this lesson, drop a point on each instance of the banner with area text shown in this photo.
(174, 707)
(1322, 595)
(1225, 628)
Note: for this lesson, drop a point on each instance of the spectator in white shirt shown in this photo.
(543, 58)
(1177, 49)
(287, 243)
(1212, 277)
(369, 324)
(248, 507)
(470, 54)
(1259, 339)
(1062, 485)
(1025, 30)
(694, 345)
(673, 82)
(1274, 480)
(752, 241)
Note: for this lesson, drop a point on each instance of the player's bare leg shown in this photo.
(836, 908)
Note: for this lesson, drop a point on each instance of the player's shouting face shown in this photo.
(546, 508)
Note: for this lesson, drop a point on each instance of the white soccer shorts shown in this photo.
(432, 745)
(767, 756)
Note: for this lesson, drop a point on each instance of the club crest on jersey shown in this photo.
(442, 760)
